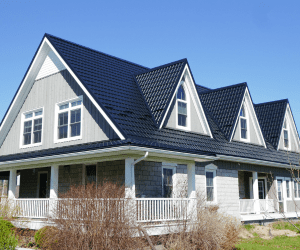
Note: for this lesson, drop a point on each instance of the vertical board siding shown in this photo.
(46, 93)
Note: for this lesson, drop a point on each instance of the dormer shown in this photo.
(289, 138)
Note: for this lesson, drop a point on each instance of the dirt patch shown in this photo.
(265, 232)
(26, 237)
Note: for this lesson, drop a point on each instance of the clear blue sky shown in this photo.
(225, 42)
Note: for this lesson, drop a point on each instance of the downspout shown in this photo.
(140, 159)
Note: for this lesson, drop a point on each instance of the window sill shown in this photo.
(31, 145)
(68, 139)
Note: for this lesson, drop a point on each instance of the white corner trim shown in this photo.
(86, 92)
(193, 94)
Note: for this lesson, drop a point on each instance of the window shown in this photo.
(182, 107)
(243, 120)
(69, 120)
(285, 135)
(90, 174)
(279, 190)
(287, 189)
(32, 128)
(297, 189)
(167, 179)
(210, 176)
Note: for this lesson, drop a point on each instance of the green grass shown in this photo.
(249, 227)
(286, 225)
(279, 242)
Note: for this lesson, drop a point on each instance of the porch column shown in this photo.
(12, 184)
(255, 193)
(192, 207)
(54, 182)
(129, 178)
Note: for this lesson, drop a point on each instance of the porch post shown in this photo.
(12, 184)
(54, 182)
(129, 178)
(255, 193)
(192, 208)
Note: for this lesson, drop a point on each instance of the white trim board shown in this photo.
(28, 82)
(190, 85)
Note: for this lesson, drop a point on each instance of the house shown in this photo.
(80, 115)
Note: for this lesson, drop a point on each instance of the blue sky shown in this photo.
(225, 42)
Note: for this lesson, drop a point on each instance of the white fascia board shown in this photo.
(254, 119)
(134, 149)
(256, 162)
(86, 91)
(42, 47)
(205, 126)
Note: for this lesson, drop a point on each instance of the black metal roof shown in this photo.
(129, 103)
(271, 117)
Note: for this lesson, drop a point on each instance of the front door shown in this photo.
(43, 185)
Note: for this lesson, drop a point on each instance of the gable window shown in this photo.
(69, 120)
(210, 176)
(285, 135)
(243, 121)
(182, 107)
(32, 126)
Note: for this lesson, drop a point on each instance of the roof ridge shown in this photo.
(162, 66)
(226, 87)
(49, 35)
(272, 102)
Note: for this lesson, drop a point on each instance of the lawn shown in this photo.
(279, 242)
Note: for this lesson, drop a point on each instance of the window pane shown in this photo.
(37, 125)
(210, 193)
(182, 108)
(28, 115)
(75, 129)
(65, 106)
(63, 119)
(180, 93)
(38, 113)
(76, 103)
(37, 137)
(295, 189)
(27, 127)
(288, 189)
(279, 186)
(167, 182)
(242, 113)
(63, 132)
(286, 139)
(209, 179)
(244, 128)
(27, 139)
(75, 116)
(182, 120)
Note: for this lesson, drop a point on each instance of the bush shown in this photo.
(8, 240)
(44, 236)
(8, 209)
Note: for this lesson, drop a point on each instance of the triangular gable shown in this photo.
(158, 86)
(50, 66)
(197, 121)
(254, 131)
(45, 47)
(224, 104)
(270, 116)
(294, 141)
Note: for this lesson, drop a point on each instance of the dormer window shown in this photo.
(243, 121)
(285, 135)
(182, 107)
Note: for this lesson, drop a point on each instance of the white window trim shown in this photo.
(293, 190)
(187, 101)
(251, 186)
(212, 168)
(38, 187)
(57, 112)
(32, 119)
(247, 118)
(169, 166)
(289, 134)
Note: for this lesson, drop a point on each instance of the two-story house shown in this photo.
(80, 115)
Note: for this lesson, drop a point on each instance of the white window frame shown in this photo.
(21, 145)
(288, 132)
(212, 168)
(265, 187)
(188, 112)
(291, 190)
(297, 189)
(38, 187)
(57, 112)
(173, 178)
(246, 117)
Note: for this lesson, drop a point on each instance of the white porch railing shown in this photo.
(161, 209)
(247, 206)
(33, 208)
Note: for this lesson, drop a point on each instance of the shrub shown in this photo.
(8, 240)
(8, 209)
